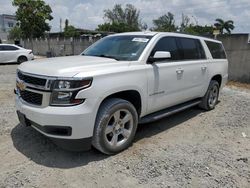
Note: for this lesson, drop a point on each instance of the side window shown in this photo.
(201, 49)
(167, 44)
(216, 50)
(1, 48)
(191, 49)
(10, 48)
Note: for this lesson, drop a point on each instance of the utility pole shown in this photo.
(60, 25)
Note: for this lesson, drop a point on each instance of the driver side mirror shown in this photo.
(159, 56)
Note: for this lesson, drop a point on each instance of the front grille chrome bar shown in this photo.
(47, 85)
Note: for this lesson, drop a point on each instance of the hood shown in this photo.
(69, 66)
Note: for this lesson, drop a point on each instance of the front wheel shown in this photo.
(211, 97)
(21, 59)
(115, 126)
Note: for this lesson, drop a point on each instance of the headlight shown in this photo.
(71, 84)
(65, 91)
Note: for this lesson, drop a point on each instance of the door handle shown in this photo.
(179, 71)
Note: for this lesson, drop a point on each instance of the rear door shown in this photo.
(11, 53)
(194, 63)
(178, 79)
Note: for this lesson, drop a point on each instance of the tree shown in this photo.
(66, 24)
(190, 28)
(33, 16)
(121, 19)
(70, 30)
(165, 23)
(199, 30)
(185, 22)
(15, 33)
(221, 25)
(115, 27)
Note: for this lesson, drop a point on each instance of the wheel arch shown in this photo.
(22, 56)
(133, 96)
(217, 78)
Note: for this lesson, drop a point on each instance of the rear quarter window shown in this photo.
(216, 50)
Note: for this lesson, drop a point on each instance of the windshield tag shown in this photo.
(140, 40)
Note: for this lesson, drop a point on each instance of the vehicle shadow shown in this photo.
(43, 151)
(150, 129)
(12, 63)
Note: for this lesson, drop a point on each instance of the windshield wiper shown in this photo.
(108, 56)
(103, 55)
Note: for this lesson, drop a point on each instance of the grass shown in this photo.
(238, 84)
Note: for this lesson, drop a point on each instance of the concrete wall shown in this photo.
(58, 47)
(238, 53)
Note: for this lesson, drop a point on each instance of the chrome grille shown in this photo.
(34, 89)
(31, 97)
(31, 80)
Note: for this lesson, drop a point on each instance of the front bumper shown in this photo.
(31, 57)
(78, 119)
(67, 144)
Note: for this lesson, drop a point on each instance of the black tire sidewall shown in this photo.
(104, 116)
(211, 85)
(22, 59)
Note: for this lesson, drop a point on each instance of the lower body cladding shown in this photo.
(71, 128)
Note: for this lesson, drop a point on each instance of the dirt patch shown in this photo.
(233, 84)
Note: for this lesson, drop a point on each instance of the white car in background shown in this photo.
(10, 53)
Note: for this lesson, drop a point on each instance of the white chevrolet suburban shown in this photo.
(98, 98)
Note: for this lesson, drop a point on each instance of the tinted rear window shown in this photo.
(191, 49)
(216, 50)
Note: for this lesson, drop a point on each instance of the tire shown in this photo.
(115, 126)
(210, 99)
(22, 59)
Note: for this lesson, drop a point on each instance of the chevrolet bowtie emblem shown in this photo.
(20, 85)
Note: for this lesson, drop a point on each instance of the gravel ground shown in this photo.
(190, 149)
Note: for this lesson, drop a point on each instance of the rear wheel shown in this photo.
(211, 97)
(22, 59)
(115, 127)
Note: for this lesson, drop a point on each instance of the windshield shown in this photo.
(126, 47)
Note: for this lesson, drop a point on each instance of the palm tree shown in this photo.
(221, 25)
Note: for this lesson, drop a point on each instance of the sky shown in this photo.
(87, 14)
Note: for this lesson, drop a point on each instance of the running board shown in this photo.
(168, 111)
